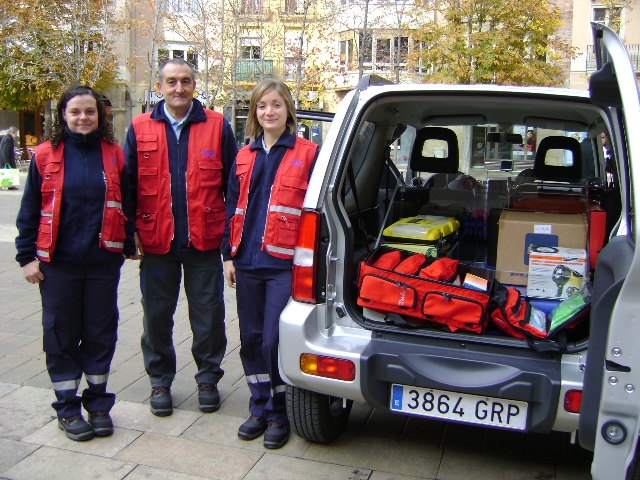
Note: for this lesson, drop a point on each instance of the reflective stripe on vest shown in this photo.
(281, 209)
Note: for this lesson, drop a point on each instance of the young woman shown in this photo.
(73, 236)
(266, 189)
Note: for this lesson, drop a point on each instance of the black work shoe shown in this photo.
(76, 428)
(252, 428)
(161, 402)
(276, 435)
(208, 397)
(101, 423)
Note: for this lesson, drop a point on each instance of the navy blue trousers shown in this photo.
(160, 278)
(261, 296)
(80, 324)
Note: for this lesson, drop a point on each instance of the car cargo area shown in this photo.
(466, 210)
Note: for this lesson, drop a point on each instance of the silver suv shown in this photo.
(496, 150)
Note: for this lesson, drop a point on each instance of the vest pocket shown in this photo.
(293, 190)
(146, 143)
(50, 342)
(146, 226)
(45, 235)
(214, 221)
(210, 174)
(287, 234)
(119, 222)
(147, 182)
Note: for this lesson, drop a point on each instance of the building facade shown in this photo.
(320, 47)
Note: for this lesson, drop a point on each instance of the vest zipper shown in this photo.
(266, 221)
(104, 209)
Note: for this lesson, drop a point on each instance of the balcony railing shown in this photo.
(253, 70)
(634, 53)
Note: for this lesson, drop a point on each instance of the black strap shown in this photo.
(352, 181)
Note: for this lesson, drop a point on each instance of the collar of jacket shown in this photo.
(287, 139)
(197, 113)
(81, 139)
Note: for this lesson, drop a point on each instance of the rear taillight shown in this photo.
(328, 367)
(572, 401)
(304, 258)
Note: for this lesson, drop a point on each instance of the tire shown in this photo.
(316, 417)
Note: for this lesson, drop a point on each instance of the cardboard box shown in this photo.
(556, 272)
(518, 230)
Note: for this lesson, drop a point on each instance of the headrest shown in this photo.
(550, 157)
(446, 164)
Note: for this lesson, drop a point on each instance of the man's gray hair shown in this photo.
(175, 61)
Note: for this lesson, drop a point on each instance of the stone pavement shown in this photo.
(192, 445)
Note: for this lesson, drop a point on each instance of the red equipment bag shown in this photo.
(513, 314)
(419, 299)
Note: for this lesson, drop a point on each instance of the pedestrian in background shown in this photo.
(7, 148)
(178, 158)
(73, 236)
(266, 189)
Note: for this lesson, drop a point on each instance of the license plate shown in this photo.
(459, 407)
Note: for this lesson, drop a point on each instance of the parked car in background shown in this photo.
(399, 156)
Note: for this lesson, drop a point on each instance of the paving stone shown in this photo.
(12, 343)
(137, 416)
(276, 467)
(378, 453)
(7, 388)
(137, 391)
(17, 424)
(9, 362)
(32, 345)
(29, 399)
(190, 457)
(32, 367)
(129, 336)
(395, 476)
(42, 380)
(423, 430)
(457, 465)
(56, 464)
(126, 374)
(127, 358)
(573, 472)
(385, 425)
(237, 403)
(12, 451)
(142, 472)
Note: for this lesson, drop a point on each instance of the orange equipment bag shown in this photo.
(420, 299)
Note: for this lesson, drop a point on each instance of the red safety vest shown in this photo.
(285, 204)
(50, 163)
(205, 195)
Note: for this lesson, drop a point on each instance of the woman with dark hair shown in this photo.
(267, 185)
(73, 236)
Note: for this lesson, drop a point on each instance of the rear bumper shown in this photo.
(382, 359)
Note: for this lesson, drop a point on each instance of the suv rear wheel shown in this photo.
(316, 417)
